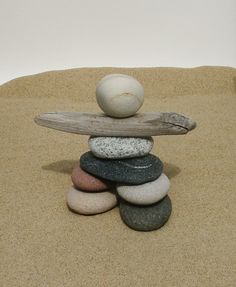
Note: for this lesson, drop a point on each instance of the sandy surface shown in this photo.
(44, 244)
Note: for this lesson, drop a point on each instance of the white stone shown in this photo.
(88, 203)
(120, 147)
(147, 193)
(119, 95)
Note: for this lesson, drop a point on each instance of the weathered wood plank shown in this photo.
(145, 124)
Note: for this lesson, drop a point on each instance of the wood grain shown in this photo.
(145, 124)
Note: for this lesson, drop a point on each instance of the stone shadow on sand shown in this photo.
(61, 166)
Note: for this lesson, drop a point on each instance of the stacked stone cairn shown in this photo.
(120, 169)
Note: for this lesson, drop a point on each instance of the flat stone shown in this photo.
(147, 193)
(88, 203)
(88, 182)
(146, 217)
(120, 147)
(134, 171)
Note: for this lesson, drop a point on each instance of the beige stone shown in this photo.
(88, 203)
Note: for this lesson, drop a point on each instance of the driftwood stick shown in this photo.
(146, 124)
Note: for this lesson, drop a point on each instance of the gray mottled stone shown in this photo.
(120, 147)
(146, 218)
(133, 171)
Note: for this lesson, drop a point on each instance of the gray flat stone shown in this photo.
(133, 171)
(146, 218)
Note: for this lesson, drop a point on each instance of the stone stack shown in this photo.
(120, 169)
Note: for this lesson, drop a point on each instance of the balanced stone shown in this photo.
(146, 217)
(147, 193)
(132, 170)
(88, 203)
(119, 95)
(120, 147)
(88, 182)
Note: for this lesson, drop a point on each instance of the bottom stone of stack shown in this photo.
(90, 203)
(146, 217)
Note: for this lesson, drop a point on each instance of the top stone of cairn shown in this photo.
(119, 95)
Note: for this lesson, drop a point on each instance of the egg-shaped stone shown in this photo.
(119, 95)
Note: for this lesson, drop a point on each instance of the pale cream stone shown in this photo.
(88, 203)
(147, 193)
(119, 95)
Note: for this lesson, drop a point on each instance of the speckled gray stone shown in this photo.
(133, 171)
(120, 147)
(146, 218)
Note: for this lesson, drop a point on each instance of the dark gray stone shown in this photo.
(146, 218)
(133, 171)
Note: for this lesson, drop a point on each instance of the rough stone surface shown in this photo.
(147, 193)
(133, 171)
(146, 218)
(88, 182)
(120, 147)
(88, 203)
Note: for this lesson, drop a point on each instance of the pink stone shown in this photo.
(85, 181)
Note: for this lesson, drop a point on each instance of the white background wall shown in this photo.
(40, 35)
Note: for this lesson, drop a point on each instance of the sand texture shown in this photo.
(44, 244)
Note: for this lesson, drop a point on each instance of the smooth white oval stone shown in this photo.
(119, 95)
(147, 193)
(88, 203)
(120, 147)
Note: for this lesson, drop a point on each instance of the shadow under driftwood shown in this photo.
(61, 166)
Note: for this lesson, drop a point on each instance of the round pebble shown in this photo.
(88, 182)
(88, 203)
(120, 147)
(147, 193)
(119, 95)
(132, 170)
(146, 218)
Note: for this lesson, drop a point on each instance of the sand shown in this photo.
(44, 244)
